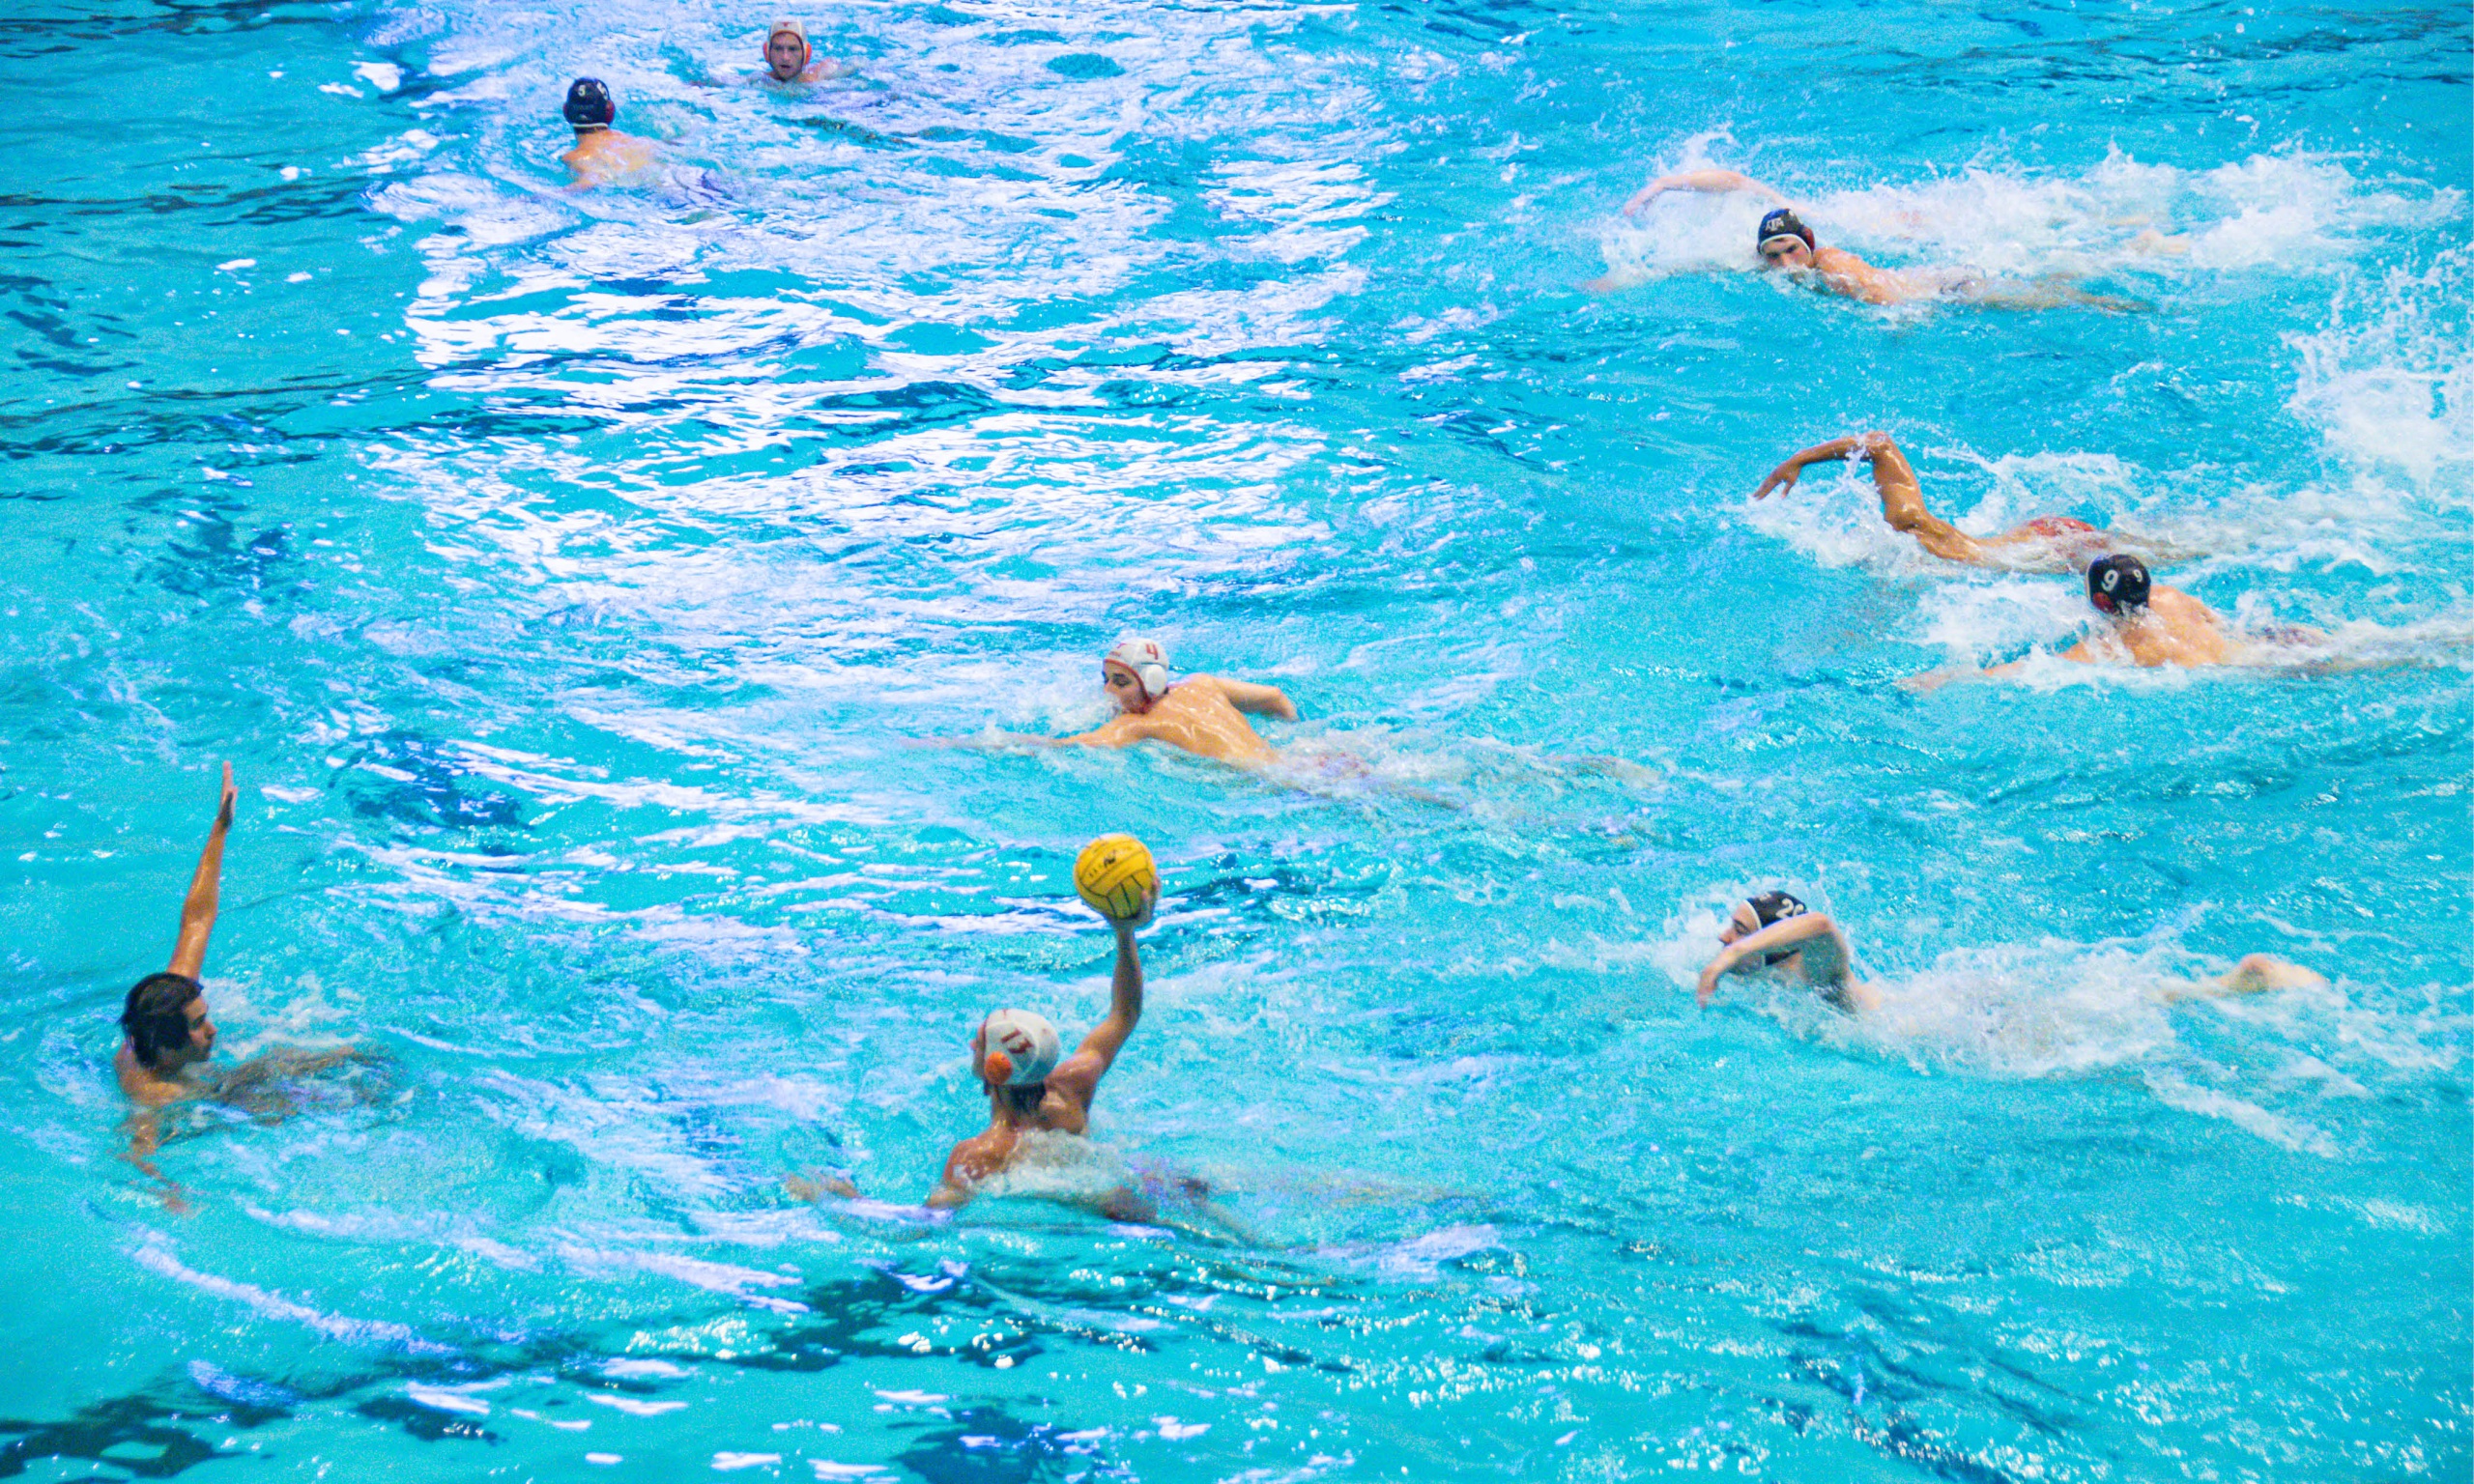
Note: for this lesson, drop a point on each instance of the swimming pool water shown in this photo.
(572, 578)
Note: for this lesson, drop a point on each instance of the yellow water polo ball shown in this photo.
(1113, 873)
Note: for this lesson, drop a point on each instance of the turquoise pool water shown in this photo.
(570, 578)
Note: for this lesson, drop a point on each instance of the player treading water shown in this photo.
(1017, 1057)
(601, 153)
(168, 1037)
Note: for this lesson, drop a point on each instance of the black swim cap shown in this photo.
(1781, 222)
(589, 103)
(1772, 906)
(2117, 583)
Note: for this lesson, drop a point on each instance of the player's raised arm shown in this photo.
(197, 909)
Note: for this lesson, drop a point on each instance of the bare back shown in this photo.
(2176, 629)
(1849, 274)
(606, 154)
(1195, 714)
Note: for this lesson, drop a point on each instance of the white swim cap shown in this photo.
(1029, 1041)
(791, 26)
(1147, 660)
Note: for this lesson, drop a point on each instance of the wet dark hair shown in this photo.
(155, 1017)
(1771, 906)
(589, 103)
(2117, 584)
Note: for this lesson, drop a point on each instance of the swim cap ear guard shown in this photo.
(1148, 661)
(2117, 583)
(1781, 222)
(588, 104)
(1018, 1048)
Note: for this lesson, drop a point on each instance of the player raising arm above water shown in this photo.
(1014, 1057)
(167, 1036)
(2048, 543)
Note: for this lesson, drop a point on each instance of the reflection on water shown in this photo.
(572, 578)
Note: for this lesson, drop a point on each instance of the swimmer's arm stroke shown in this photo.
(2080, 654)
(197, 909)
(1707, 181)
(1256, 700)
(1116, 732)
(1825, 952)
(1902, 493)
(146, 1136)
(1123, 730)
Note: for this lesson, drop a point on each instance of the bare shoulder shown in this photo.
(1075, 1082)
(977, 1157)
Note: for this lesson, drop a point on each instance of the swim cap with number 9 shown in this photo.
(1113, 874)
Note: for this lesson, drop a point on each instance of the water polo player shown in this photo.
(788, 58)
(1203, 714)
(1783, 243)
(166, 1031)
(2054, 543)
(2153, 626)
(167, 1036)
(1776, 933)
(601, 153)
(1014, 1056)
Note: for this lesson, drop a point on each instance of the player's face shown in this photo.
(1788, 252)
(1743, 925)
(786, 54)
(1123, 687)
(201, 1029)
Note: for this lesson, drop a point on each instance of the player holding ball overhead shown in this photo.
(1016, 1053)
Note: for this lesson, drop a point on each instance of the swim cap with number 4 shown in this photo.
(1114, 874)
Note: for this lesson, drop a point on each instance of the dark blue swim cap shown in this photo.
(1772, 906)
(1781, 222)
(589, 103)
(2116, 583)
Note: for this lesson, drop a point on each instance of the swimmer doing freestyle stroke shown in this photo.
(167, 1036)
(1784, 244)
(1775, 933)
(2049, 543)
(2153, 626)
